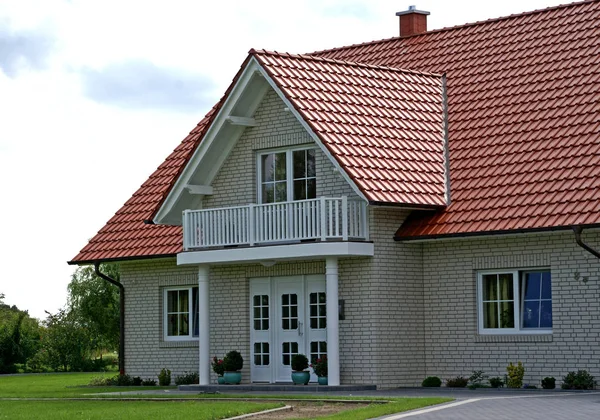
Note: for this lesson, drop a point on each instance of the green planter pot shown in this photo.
(322, 380)
(233, 378)
(221, 380)
(300, 378)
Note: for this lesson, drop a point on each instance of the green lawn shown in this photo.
(73, 385)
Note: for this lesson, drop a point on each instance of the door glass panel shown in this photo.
(261, 354)
(261, 312)
(288, 349)
(318, 310)
(289, 311)
(318, 349)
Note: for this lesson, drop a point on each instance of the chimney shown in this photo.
(412, 21)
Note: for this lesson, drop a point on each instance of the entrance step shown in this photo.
(313, 388)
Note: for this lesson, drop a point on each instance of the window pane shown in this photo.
(546, 285)
(256, 312)
(532, 286)
(299, 158)
(507, 315)
(172, 301)
(183, 301)
(490, 287)
(256, 300)
(531, 311)
(267, 167)
(313, 323)
(310, 163)
(311, 188)
(280, 167)
(505, 291)
(265, 324)
(546, 314)
(280, 192)
(265, 312)
(268, 193)
(184, 325)
(300, 189)
(172, 325)
(257, 325)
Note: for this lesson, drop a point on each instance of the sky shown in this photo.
(94, 94)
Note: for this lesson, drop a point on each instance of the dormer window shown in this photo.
(287, 175)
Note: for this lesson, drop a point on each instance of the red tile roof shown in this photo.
(523, 130)
(384, 126)
(524, 118)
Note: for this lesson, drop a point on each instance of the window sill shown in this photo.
(178, 344)
(513, 338)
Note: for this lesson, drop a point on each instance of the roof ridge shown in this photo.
(451, 28)
(344, 62)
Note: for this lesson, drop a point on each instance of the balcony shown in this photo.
(320, 219)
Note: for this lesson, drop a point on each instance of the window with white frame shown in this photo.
(515, 301)
(287, 175)
(180, 307)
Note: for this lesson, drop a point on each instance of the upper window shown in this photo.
(287, 175)
(181, 313)
(515, 302)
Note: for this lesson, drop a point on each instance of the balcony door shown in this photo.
(288, 317)
(286, 175)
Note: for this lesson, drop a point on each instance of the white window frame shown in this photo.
(289, 162)
(517, 275)
(190, 336)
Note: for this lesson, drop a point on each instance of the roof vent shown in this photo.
(412, 21)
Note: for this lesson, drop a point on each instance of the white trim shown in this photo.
(517, 304)
(190, 336)
(257, 254)
(242, 121)
(199, 189)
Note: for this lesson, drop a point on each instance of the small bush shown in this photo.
(103, 381)
(458, 382)
(431, 382)
(233, 361)
(578, 380)
(549, 382)
(187, 379)
(137, 381)
(496, 382)
(124, 380)
(477, 378)
(515, 375)
(164, 377)
(299, 362)
(148, 382)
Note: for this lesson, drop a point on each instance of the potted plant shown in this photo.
(219, 368)
(232, 364)
(299, 373)
(319, 366)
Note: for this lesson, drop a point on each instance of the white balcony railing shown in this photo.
(253, 224)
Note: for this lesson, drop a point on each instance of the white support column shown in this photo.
(333, 339)
(204, 322)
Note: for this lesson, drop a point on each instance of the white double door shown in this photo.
(287, 317)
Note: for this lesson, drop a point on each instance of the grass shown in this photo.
(73, 386)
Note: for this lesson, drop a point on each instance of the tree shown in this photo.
(19, 336)
(67, 344)
(94, 304)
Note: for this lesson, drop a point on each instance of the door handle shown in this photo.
(300, 332)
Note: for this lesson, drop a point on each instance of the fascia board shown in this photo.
(209, 137)
(309, 130)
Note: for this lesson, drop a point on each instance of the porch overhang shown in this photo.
(283, 252)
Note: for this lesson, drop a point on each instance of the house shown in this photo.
(422, 205)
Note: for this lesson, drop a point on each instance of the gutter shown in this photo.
(578, 230)
(121, 315)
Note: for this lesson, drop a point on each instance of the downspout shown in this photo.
(121, 316)
(578, 230)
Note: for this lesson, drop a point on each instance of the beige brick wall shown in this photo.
(453, 345)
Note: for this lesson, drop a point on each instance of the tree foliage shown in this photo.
(94, 304)
(19, 336)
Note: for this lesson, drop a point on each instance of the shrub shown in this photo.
(103, 381)
(187, 379)
(320, 366)
(477, 378)
(549, 382)
(431, 382)
(299, 362)
(124, 380)
(164, 377)
(137, 381)
(458, 382)
(515, 375)
(217, 366)
(148, 382)
(578, 380)
(233, 361)
(496, 382)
